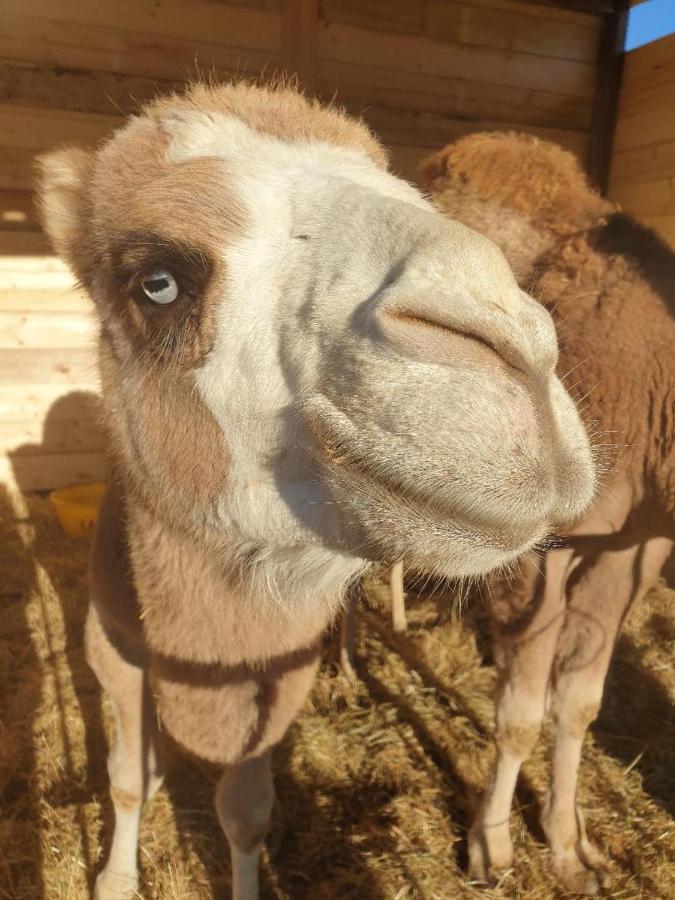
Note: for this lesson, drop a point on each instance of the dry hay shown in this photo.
(376, 783)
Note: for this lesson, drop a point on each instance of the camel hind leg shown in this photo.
(525, 641)
(598, 603)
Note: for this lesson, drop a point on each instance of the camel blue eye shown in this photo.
(160, 286)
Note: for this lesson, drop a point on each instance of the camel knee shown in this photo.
(575, 717)
(244, 800)
(576, 703)
(133, 781)
(518, 738)
(519, 720)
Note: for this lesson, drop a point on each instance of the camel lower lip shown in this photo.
(407, 532)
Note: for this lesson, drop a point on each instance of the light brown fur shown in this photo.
(230, 535)
(611, 287)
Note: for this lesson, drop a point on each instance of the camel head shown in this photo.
(297, 350)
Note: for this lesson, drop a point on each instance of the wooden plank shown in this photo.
(648, 97)
(514, 30)
(382, 15)
(60, 366)
(16, 167)
(193, 22)
(359, 86)
(51, 470)
(652, 126)
(36, 262)
(299, 41)
(23, 243)
(271, 5)
(643, 163)
(350, 44)
(411, 129)
(591, 7)
(34, 403)
(576, 28)
(16, 282)
(563, 11)
(45, 301)
(31, 438)
(41, 129)
(17, 210)
(647, 198)
(73, 44)
(55, 87)
(46, 329)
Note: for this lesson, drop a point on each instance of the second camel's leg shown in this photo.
(598, 603)
(525, 641)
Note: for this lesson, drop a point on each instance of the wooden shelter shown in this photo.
(421, 72)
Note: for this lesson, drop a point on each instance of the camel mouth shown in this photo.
(397, 522)
(432, 538)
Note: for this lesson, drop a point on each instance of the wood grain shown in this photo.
(49, 329)
(59, 366)
(642, 173)
(350, 44)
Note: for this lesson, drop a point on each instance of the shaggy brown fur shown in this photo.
(610, 284)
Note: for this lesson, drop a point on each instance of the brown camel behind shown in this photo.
(610, 284)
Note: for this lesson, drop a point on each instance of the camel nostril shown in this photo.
(439, 341)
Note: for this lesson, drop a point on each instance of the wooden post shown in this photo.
(610, 69)
(399, 621)
(299, 39)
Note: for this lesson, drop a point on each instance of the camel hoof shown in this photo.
(490, 854)
(115, 886)
(575, 877)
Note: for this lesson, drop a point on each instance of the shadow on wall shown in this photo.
(70, 449)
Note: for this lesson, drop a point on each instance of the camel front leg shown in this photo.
(526, 625)
(244, 800)
(233, 716)
(598, 603)
(134, 763)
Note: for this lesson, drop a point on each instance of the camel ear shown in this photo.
(62, 187)
(433, 167)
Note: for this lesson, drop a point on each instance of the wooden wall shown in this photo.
(642, 174)
(421, 72)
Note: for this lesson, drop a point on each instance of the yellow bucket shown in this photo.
(77, 507)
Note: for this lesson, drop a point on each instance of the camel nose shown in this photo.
(445, 329)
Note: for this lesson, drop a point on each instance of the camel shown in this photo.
(306, 371)
(610, 283)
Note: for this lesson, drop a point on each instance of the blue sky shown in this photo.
(649, 21)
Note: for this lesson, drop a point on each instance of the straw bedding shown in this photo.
(376, 782)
